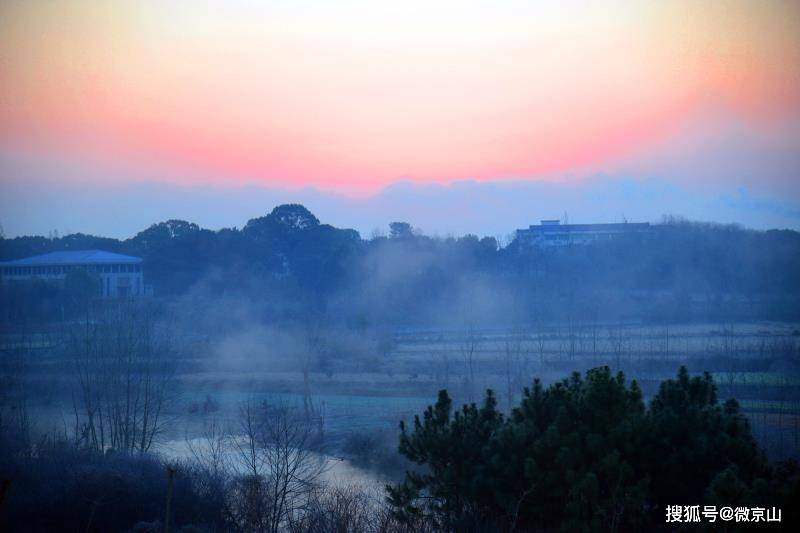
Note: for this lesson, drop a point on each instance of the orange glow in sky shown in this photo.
(356, 94)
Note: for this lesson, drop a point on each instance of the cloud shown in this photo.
(717, 167)
(33, 204)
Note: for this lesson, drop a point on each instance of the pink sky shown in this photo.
(354, 95)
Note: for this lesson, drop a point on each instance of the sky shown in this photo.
(458, 116)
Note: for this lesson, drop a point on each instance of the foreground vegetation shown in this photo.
(585, 453)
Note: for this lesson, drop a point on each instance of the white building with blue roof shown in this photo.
(119, 275)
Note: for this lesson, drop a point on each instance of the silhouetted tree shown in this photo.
(584, 454)
(399, 230)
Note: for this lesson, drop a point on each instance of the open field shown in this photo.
(757, 363)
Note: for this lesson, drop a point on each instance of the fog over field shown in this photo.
(297, 342)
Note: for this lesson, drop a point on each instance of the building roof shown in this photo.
(74, 257)
(621, 226)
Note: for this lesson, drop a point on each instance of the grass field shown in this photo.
(758, 363)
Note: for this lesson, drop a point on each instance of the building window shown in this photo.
(114, 268)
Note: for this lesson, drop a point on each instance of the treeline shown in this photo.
(679, 271)
(583, 454)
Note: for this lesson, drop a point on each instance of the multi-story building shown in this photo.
(119, 275)
(552, 233)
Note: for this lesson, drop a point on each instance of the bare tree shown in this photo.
(210, 450)
(442, 367)
(540, 339)
(124, 369)
(248, 498)
(469, 345)
(349, 508)
(280, 452)
(512, 359)
(15, 435)
(294, 466)
(616, 341)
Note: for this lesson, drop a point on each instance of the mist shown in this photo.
(293, 341)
